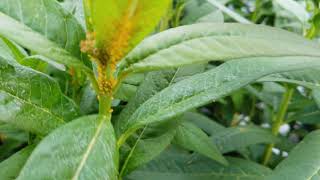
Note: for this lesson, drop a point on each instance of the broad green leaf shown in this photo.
(303, 161)
(36, 42)
(154, 82)
(10, 168)
(31, 100)
(236, 138)
(146, 149)
(82, 149)
(142, 150)
(179, 166)
(210, 86)
(49, 19)
(203, 42)
(126, 23)
(192, 138)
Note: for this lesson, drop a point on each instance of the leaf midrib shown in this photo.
(215, 36)
(89, 149)
(35, 106)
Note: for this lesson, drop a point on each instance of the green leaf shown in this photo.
(236, 138)
(47, 18)
(136, 18)
(154, 82)
(9, 50)
(199, 11)
(295, 8)
(200, 43)
(146, 149)
(31, 100)
(210, 86)
(179, 166)
(303, 161)
(36, 42)
(192, 138)
(10, 168)
(206, 124)
(229, 12)
(8, 131)
(308, 77)
(75, 7)
(82, 149)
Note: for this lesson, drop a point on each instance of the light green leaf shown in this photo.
(199, 11)
(34, 41)
(75, 7)
(82, 149)
(192, 138)
(295, 8)
(229, 12)
(10, 168)
(214, 17)
(308, 78)
(303, 161)
(49, 19)
(9, 50)
(236, 138)
(210, 86)
(31, 100)
(179, 166)
(200, 43)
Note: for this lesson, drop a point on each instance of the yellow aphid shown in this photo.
(116, 49)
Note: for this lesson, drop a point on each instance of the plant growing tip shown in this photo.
(112, 35)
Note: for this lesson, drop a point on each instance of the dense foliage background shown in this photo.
(255, 127)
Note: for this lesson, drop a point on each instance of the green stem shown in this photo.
(104, 105)
(278, 121)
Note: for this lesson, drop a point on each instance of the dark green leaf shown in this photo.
(192, 138)
(303, 161)
(10, 168)
(236, 138)
(179, 166)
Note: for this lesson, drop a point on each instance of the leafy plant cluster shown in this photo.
(142, 89)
